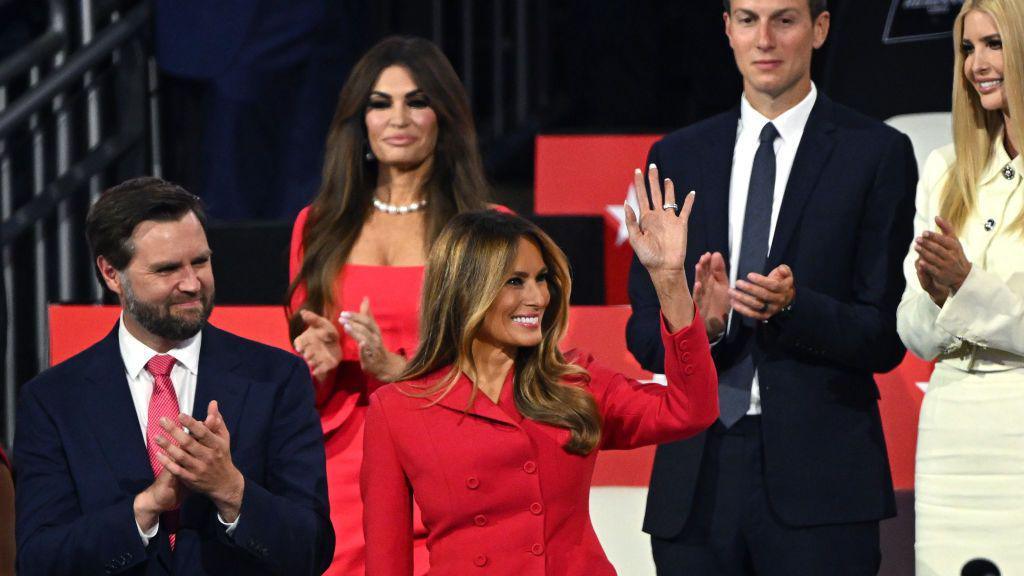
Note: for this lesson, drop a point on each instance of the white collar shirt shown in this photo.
(135, 355)
(790, 125)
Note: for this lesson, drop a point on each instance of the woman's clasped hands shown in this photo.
(942, 267)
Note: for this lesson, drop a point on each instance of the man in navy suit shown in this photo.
(803, 215)
(169, 447)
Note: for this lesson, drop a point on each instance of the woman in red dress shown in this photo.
(493, 433)
(401, 160)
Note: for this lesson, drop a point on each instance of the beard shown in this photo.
(158, 319)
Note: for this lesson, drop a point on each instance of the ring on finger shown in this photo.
(670, 206)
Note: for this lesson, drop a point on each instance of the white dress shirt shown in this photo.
(135, 355)
(790, 125)
(184, 373)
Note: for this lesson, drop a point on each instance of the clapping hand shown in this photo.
(711, 293)
(941, 264)
(318, 344)
(201, 460)
(374, 358)
(166, 493)
(658, 238)
(760, 297)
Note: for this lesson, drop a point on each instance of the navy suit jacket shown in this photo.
(81, 459)
(843, 228)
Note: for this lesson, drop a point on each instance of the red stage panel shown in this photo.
(598, 329)
(618, 255)
(75, 328)
(592, 175)
(583, 174)
(601, 330)
(900, 405)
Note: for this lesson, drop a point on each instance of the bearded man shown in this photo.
(170, 446)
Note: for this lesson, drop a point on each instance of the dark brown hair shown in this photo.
(816, 6)
(466, 269)
(456, 182)
(114, 216)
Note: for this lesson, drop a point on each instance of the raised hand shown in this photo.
(711, 293)
(941, 260)
(318, 344)
(658, 238)
(374, 358)
(658, 235)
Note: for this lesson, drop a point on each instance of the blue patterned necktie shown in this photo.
(734, 382)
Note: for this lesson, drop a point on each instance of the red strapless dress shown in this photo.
(394, 293)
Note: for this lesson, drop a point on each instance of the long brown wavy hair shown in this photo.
(974, 128)
(456, 182)
(466, 269)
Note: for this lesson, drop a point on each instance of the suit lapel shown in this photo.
(716, 170)
(115, 424)
(217, 379)
(812, 155)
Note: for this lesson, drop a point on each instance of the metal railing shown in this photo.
(76, 106)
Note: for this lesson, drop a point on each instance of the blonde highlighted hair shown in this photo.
(467, 267)
(974, 128)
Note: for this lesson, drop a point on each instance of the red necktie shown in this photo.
(162, 404)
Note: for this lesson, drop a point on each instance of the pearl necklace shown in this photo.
(394, 209)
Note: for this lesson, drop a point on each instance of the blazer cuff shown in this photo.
(696, 323)
(964, 309)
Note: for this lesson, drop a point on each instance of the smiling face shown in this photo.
(167, 288)
(983, 59)
(515, 317)
(400, 124)
(772, 41)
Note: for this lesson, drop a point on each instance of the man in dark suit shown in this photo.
(169, 447)
(803, 215)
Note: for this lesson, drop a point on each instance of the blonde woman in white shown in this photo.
(964, 306)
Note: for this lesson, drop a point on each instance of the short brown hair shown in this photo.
(816, 6)
(114, 216)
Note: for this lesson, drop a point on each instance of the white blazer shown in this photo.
(981, 326)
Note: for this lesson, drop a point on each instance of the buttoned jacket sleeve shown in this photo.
(917, 313)
(986, 311)
(637, 414)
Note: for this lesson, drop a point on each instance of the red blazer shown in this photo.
(499, 494)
